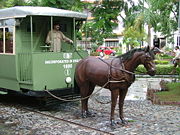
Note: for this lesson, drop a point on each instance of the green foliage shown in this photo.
(164, 10)
(163, 56)
(118, 51)
(79, 48)
(140, 70)
(173, 93)
(105, 20)
(8, 35)
(173, 86)
(161, 62)
(75, 5)
(94, 47)
(157, 14)
(79, 35)
(164, 69)
(134, 32)
(136, 17)
(160, 69)
(34, 3)
(94, 54)
(132, 36)
(11, 3)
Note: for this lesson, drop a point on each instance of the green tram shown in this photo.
(27, 66)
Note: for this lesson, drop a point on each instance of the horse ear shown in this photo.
(147, 49)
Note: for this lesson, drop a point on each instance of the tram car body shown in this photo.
(27, 66)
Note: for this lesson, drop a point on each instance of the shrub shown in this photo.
(160, 69)
(94, 54)
(94, 47)
(118, 50)
(164, 56)
(140, 69)
(161, 62)
(118, 53)
(79, 48)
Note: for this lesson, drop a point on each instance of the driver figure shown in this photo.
(55, 37)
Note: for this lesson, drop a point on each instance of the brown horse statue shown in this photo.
(115, 74)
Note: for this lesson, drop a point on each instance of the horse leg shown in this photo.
(114, 95)
(86, 91)
(122, 95)
(91, 89)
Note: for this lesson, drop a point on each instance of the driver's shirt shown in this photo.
(54, 38)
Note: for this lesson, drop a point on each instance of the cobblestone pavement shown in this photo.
(144, 118)
(138, 90)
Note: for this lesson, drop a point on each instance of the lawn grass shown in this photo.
(172, 95)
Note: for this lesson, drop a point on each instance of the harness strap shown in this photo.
(115, 80)
(124, 70)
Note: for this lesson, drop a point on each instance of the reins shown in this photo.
(68, 100)
(75, 50)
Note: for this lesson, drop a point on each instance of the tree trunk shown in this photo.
(149, 35)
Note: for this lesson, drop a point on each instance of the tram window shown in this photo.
(9, 40)
(1, 40)
(1, 23)
(6, 38)
(9, 22)
(63, 27)
(29, 27)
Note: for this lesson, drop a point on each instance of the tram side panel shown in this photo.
(8, 76)
(54, 70)
(47, 71)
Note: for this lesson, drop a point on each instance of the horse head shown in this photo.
(147, 60)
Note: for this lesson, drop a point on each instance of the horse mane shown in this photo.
(128, 55)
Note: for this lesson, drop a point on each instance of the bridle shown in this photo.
(148, 59)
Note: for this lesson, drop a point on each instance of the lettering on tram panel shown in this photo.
(67, 72)
(67, 55)
(67, 66)
(62, 61)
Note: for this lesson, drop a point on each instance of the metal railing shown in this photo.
(25, 67)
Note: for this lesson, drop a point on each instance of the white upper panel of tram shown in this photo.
(23, 11)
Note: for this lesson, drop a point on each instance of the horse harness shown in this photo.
(112, 79)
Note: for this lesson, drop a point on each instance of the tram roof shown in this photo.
(23, 11)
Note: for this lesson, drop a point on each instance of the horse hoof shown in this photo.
(124, 122)
(90, 114)
(113, 123)
(84, 115)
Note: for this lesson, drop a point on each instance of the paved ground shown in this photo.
(144, 117)
(138, 89)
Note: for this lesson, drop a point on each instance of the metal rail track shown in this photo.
(27, 109)
(61, 119)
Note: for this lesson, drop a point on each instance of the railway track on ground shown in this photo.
(37, 110)
(64, 120)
